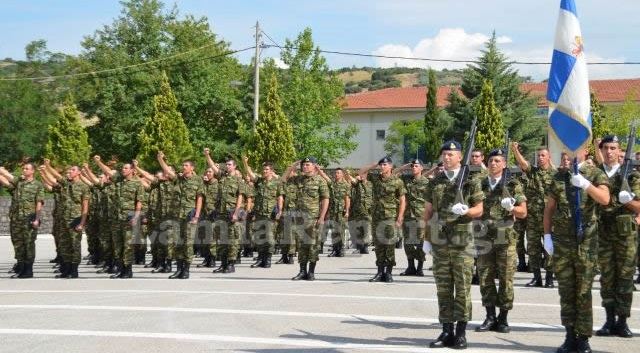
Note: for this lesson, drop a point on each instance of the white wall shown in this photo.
(370, 149)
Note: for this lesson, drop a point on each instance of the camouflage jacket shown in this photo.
(72, 196)
(494, 215)
(211, 193)
(537, 181)
(338, 191)
(361, 200)
(187, 191)
(288, 190)
(310, 190)
(129, 193)
(386, 193)
(25, 195)
(230, 187)
(615, 208)
(266, 196)
(416, 187)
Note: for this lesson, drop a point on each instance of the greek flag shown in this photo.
(568, 89)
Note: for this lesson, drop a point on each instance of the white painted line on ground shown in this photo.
(275, 294)
(244, 341)
(378, 318)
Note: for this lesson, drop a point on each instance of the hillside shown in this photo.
(371, 78)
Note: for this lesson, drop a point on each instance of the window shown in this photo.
(380, 134)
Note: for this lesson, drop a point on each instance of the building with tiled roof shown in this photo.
(373, 111)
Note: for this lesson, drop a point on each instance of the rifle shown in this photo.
(627, 165)
(506, 172)
(464, 170)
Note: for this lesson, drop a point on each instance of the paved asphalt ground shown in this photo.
(260, 310)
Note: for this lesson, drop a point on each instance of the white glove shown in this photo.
(625, 197)
(579, 181)
(426, 247)
(460, 209)
(508, 203)
(548, 244)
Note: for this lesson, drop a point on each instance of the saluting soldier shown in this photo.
(360, 215)
(504, 201)
(287, 213)
(617, 237)
(388, 214)
(449, 239)
(27, 199)
(574, 257)
(539, 179)
(339, 204)
(210, 205)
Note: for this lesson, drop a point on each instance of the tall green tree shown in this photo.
(68, 142)
(599, 122)
(405, 136)
(312, 102)
(625, 115)
(199, 69)
(435, 121)
(165, 130)
(490, 132)
(272, 139)
(518, 108)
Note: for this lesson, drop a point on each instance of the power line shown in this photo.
(143, 65)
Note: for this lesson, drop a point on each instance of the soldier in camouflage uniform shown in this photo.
(574, 259)
(129, 202)
(477, 170)
(210, 211)
(247, 218)
(312, 204)
(189, 194)
(504, 201)
(27, 199)
(617, 238)
(449, 239)
(265, 209)
(93, 226)
(231, 198)
(413, 227)
(361, 206)
(75, 208)
(388, 214)
(339, 204)
(538, 181)
(287, 191)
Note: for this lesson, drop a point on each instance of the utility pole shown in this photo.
(256, 77)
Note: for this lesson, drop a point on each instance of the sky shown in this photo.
(444, 29)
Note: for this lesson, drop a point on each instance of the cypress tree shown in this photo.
(68, 142)
(490, 133)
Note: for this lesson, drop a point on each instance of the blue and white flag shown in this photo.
(568, 89)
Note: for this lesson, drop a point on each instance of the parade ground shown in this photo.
(261, 310)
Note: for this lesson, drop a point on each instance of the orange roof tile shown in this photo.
(607, 91)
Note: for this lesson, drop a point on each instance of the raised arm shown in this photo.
(290, 169)
(5, 173)
(364, 170)
(52, 171)
(522, 162)
(210, 162)
(47, 178)
(4, 181)
(323, 174)
(105, 168)
(165, 167)
(250, 173)
(401, 169)
(88, 173)
(145, 175)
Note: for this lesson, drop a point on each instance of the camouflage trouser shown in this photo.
(452, 270)
(230, 234)
(520, 226)
(93, 234)
(23, 237)
(617, 256)
(535, 250)
(263, 235)
(360, 230)
(337, 225)
(248, 239)
(106, 241)
(70, 242)
(127, 238)
(413, 234)
(287, 238)
(574, 267)
(184, 241)
(56, 231)
(385, 236)
(500, 258)
(308, 235)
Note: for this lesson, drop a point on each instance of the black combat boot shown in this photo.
(118, 270)
(582, 344)
(153, 264)
(55, 260)
(388, 277)
(311, 274)
(127, 272)
(105, 267)
(621, 328)
(231, 267)
(18, 268)
(569, 344)
(608, 327)
(548, 280)
(522, 264)
(502, 324)
(289, 259)
(206, 262)
(339, 248)
(73, 272)
(259, 261)
(445, 339)
(536, 281)
(185, 270)
(179, 267)
(490, 321)
(267, 261)
(166, 266)
(411, 269)
(27, 271)
(419, 271)
(303, 272)
(283, 259)
(460, 341)
(65, 268)
(223, 264)
(379, 275)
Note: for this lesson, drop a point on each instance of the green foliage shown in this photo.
(405, 134)
(490, 133)
(461, 113)
(312, 102)
(626, 114)
(273, 138)
(164, 130)
(599, 122)
(68, 142)
(435, 121)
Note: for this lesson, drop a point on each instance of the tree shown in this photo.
(164, 130)
(68, 142)
(405, 136)
(273, 137)
(312, 102)
(122, 99)
(490, 133)
(599, 122)
(516, 107)
(435, 123)
(629, 111)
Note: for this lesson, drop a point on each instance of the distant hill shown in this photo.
(374, 78)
